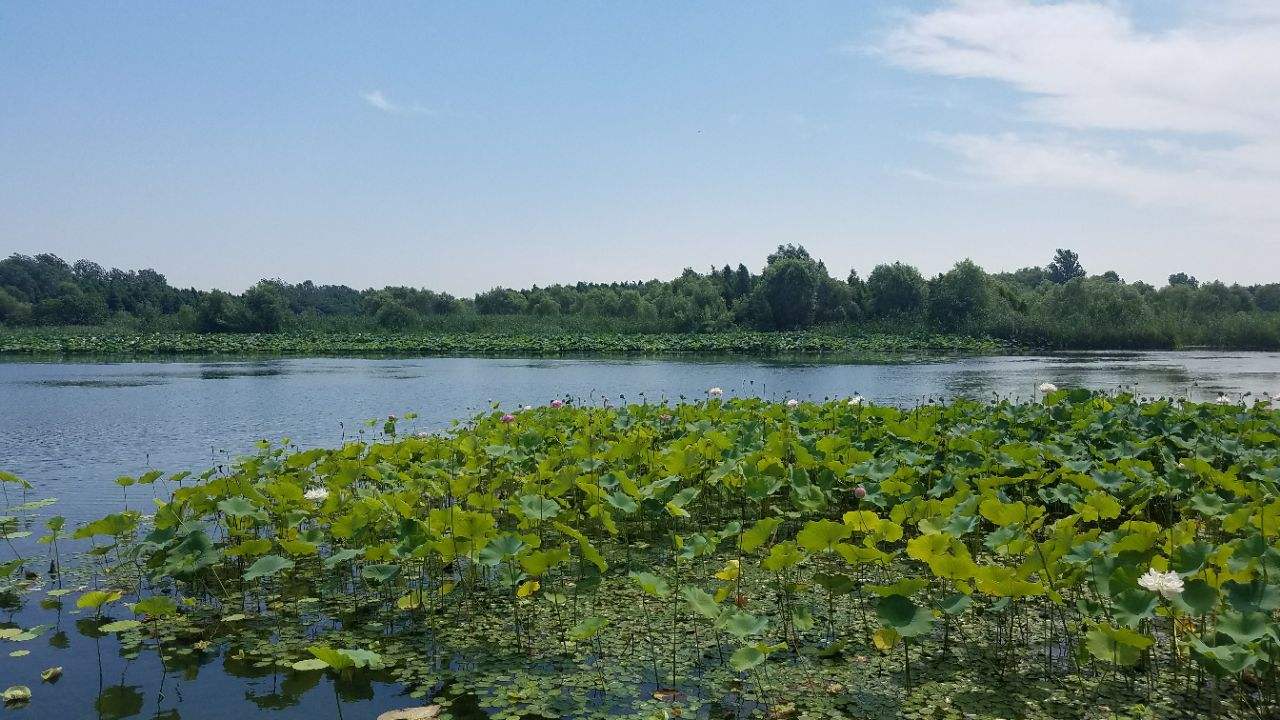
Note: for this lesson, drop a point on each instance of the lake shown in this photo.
(72, 427)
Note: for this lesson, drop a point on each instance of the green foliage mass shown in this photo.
(720, 547)
(1059, 305)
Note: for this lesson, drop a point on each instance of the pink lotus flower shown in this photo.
(793, 403)
(664, 417)
(859, 492)
(557, 403)
(508, 418)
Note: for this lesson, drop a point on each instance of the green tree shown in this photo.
(834, 302)
(790, 287)
(394, 315)
(219, 311)
(896, 289)
(12, 310)
(1065, 266)
(264, 306)
(1267, 297)
(789, 252)
(959, 298)
(71, 306)
(741, 282)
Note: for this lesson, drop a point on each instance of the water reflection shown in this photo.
(118, 702)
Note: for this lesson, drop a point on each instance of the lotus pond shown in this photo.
(722, 558)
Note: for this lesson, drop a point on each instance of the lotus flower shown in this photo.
(1048, 387)
(1223, 400)
(715, 392)
(857, 400)
(664, 417)
(317, 494)
(508, 418)
(527, 407)
(793, 403)
(557, 403)
(1168, 584)
(859, 492)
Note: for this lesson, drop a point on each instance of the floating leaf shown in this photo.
(16, 695)
(120, 626)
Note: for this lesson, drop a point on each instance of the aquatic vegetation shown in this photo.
(739, 556)
(737, 342)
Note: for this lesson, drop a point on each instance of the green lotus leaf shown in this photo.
(904, 616)
(746, 658)
(758, 534)
(1243, 627)
(588, 628)
(701, 602)
(651, 584)
(743, 624)
(120, 626)
(380, 573)
(821, 535)
(267, 566)
(1117, 645)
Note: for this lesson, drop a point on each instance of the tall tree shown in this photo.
(1065, 266)
(791, 287)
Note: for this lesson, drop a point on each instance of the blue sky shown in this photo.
(460, 146)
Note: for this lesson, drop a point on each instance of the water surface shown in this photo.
(72, 427)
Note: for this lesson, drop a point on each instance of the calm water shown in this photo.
(72, 428)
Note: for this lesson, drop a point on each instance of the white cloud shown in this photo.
(1187, 116)
(377, 99)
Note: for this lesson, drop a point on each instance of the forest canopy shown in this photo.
(1058, 305)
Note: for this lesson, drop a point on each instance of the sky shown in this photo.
(459, 146)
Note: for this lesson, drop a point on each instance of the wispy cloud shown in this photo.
(378, 100)
(1188, 116)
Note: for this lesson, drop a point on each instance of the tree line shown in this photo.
(1059, 304)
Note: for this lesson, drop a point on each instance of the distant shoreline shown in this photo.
(759, 344)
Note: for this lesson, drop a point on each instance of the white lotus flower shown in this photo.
(1048, 387)
(715, 392)
(793, 403)
(1168, 584)
(1223, 399)
(857, 400)
(316, 494)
